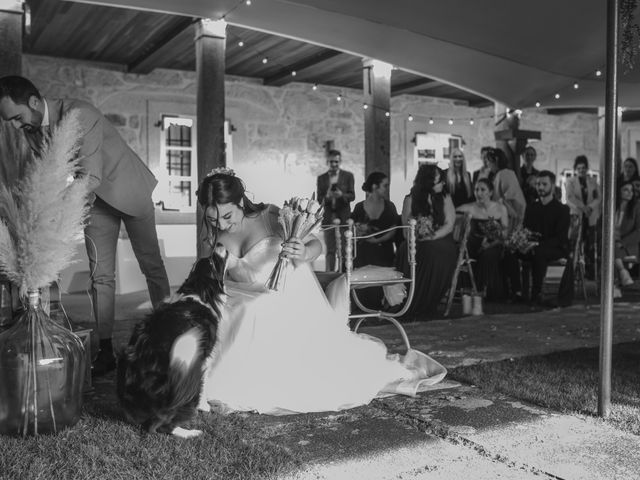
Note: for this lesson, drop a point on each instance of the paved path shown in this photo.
(456, 431)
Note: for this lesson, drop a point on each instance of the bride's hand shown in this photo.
(295, 250)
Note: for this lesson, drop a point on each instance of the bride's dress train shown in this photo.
(290, 351)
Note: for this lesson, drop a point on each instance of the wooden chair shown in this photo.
(351, 240)
(463, 264)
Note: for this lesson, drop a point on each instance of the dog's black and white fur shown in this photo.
(159, 376)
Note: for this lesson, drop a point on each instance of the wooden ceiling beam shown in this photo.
(284, 76)
(412, 86)
(148, 61)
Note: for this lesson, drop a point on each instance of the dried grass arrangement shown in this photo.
(42, 215)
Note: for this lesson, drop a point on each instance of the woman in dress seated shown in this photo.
(436, 253)
(627, 232)
(287, 351)
(375, 214)
(489, 221)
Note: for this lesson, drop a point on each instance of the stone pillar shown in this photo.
(210, 65)
(377, 125)
(10, 37)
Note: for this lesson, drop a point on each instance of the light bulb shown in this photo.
(248, 2)
(315, 86)
(265, 60)
(365, 106)
(294, 73)
(450, 121)
(471, 122)
(241, 43)
(537, 104)
(576, 86)
(410, 118)
(431, 121)
(387, 114)
(556, 96)
(339, 98)
(598, 73)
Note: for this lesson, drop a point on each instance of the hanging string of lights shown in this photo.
(432, 120)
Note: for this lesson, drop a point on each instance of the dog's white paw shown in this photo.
(184, 433)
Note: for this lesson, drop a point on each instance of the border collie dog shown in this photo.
(159, 375)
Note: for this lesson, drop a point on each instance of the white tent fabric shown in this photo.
(516, 52)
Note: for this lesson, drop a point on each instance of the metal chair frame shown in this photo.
(463, 264)
(352, 285)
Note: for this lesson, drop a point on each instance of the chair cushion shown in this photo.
(374, 273)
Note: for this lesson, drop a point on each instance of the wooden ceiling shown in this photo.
(140, 41)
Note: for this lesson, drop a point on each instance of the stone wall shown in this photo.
(279, 133)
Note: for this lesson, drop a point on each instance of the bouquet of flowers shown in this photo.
(521, 240)
(492, 230)
(424, 227)
(298, 218)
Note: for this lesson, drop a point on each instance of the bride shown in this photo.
(289, 351)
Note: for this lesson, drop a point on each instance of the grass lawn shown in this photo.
(566, 381)
(103, 446)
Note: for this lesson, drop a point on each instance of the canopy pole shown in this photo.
(608, 214)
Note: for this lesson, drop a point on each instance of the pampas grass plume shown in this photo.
(43, 215)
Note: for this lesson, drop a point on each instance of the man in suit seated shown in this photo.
(335, 190)
(550, 219)
(120, 185)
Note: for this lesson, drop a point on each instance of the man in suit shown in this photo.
(121, 186)
(550, 219)
(335, 191)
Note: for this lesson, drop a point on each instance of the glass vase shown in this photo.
(42, 367)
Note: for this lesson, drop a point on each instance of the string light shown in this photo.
(471, 122)
(365, 106)
(556, 96)
(598, 73)
(315, 86)
(387, 114)
(431, 121)
(339, 97)
(265, 60)
(410, 118)
(450, 121)
(537, 104)
(241, 43)
(576, 86)
(293, 73)
(248, 2)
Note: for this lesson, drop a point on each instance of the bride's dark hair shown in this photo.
(222, 188)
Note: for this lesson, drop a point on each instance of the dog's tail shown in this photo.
(185, 364)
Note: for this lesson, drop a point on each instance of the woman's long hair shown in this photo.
(451, 175)
(424, 201)
(628, 211)
(219, 189)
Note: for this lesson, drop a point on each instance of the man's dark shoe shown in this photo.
(104, 363)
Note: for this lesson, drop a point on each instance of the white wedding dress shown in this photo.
(290, 351)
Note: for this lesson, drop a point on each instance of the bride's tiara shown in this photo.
(222, 171)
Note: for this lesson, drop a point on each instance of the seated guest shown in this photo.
(484, 171)
(528, 175)
(436, 254)
(627, 231)
(506, 188)
(583, 199)
(629, 172)
(375, 214)
(458, 179)
(550, 219)
(489, 220)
